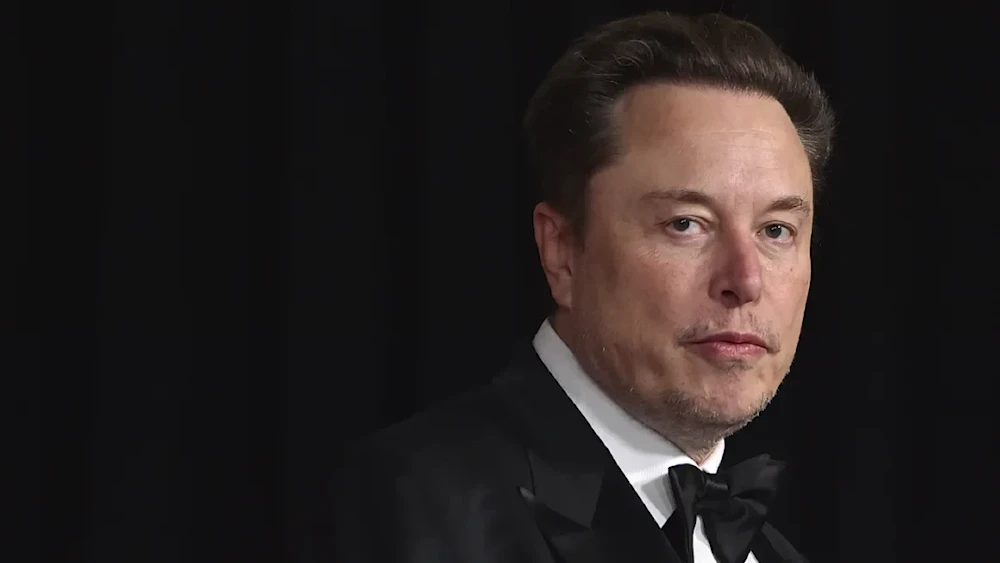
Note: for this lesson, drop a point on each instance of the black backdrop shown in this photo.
(259, 233)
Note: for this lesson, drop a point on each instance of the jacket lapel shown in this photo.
(572, 541)
(582, 503)
(771, 547)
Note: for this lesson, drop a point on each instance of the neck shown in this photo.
(697, 450)
(692, 434)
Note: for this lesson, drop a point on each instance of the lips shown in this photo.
(730, 347)
(734, 338)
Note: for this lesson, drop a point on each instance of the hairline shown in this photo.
(614, 129)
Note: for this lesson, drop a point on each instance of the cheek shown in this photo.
(801, 280)
(654, 274)
(655, 285)
(791, 293)
(634, 282)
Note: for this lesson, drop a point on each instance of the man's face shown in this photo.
(690, 285)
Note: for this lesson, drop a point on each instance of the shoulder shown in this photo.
(465, 437)
(438, 476)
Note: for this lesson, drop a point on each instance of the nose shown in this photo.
(737, 278)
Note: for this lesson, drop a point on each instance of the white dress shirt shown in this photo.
(643, 455)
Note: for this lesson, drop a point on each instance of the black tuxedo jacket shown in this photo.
(510, 473)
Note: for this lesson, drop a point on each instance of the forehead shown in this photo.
(723, 142)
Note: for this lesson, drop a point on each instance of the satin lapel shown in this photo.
(622, 515)
(771, 547)
(581, 501)
(573, 542)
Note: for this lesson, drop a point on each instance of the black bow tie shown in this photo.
(732, 504)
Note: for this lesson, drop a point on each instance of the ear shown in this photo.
(555, 250)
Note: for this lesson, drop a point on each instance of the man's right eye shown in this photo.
(681, 224)
(685, 225)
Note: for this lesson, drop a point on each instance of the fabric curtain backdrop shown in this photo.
(309, 220)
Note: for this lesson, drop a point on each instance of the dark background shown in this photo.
(247, 236)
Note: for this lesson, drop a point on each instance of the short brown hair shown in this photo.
(569, 119)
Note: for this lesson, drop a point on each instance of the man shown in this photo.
(678, 160)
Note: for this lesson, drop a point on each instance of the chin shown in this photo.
(731, 407)
(738, 415)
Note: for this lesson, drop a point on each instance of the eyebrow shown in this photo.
(794, 204)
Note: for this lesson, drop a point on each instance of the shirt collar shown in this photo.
(641, 454)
